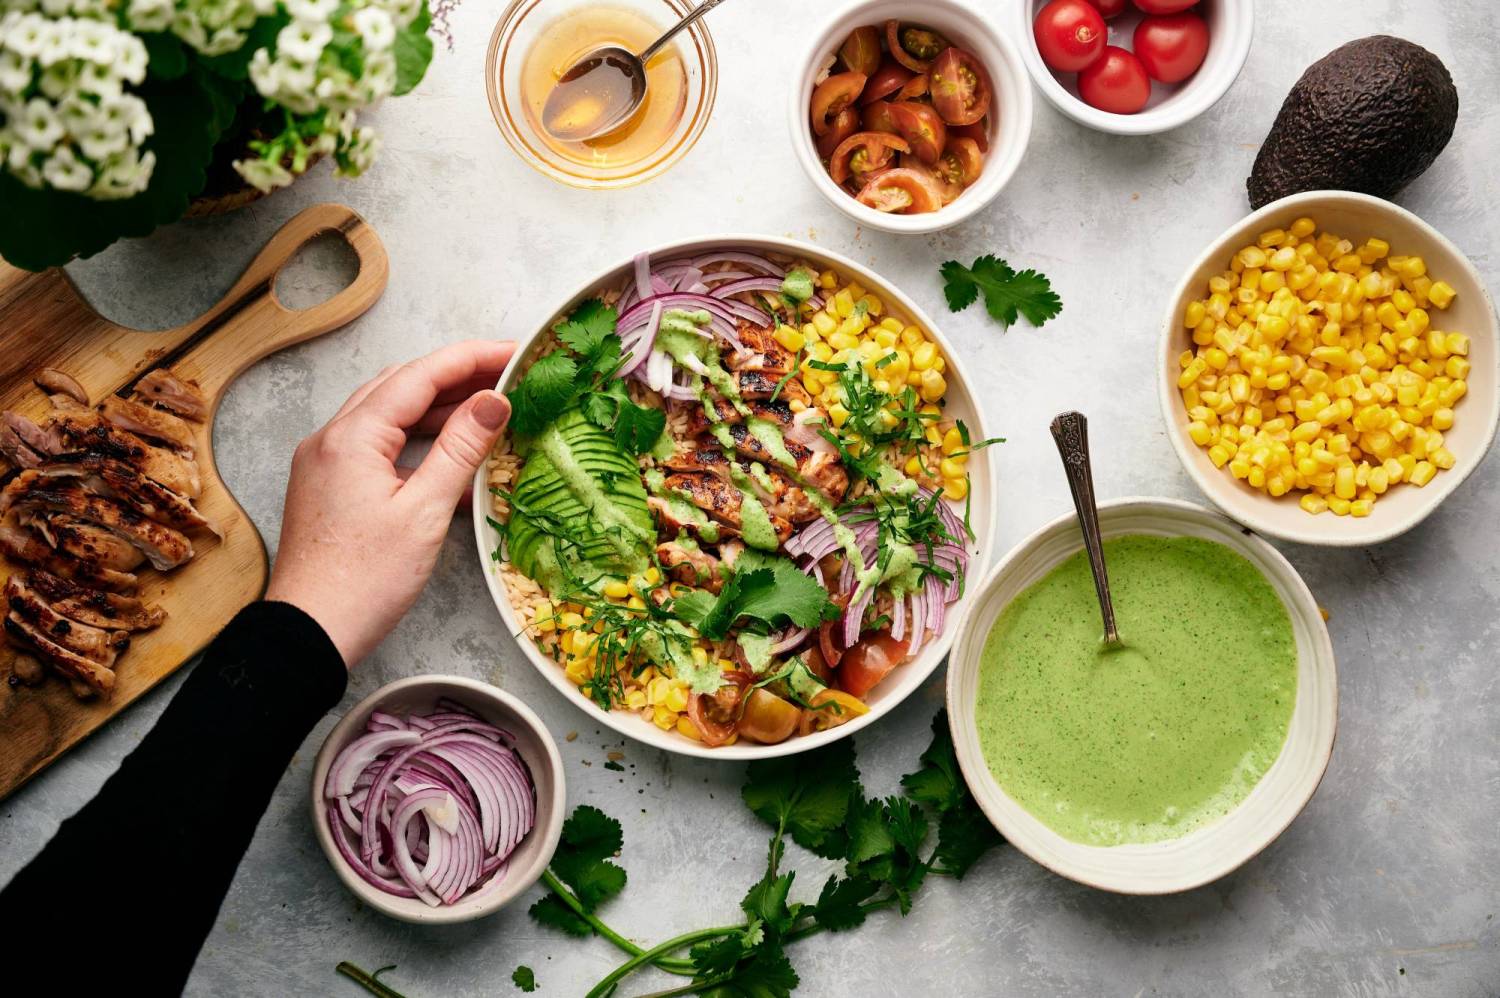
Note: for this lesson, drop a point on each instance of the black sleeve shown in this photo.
(128, 889)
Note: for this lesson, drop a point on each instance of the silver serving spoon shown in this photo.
(1071, 431)
(603, 89)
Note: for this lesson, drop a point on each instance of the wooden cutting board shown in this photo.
(44, 322)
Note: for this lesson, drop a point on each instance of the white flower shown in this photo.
(91, 40)
(402, 11)
(299, 77)
(38, 127)
(99, 81)
(64, 172)
(78, 115)
(129, 57)
(311, 10)
(263, 174)
(303, 40)
(60, 79)
(56, 41)
(150, 15)
(358, 152)
(25, 34)
(375, 28)
(380, 75)
(15, 71)
(124, 176)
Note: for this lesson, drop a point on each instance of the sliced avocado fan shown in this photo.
(578, 509)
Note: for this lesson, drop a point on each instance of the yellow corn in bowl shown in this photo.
(1328, 370)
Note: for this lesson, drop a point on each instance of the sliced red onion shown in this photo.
(748, 284)
(643, 275)
(745, 259)
(440, 806)
(898, 618)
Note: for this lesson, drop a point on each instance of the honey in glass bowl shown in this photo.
(537, 41)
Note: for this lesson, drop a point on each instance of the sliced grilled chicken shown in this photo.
(60, 383)
(63, 433)
(32, 491)
(778, 412)
(153, 424)
(165, 389)
(117, 480)
(720, 499)
(782, 494)
(16, 451)
(96, 677)
(85, 542)
(21, 544)
(690, 566)
(94, 643)
(90, 606)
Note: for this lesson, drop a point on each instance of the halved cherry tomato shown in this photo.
(831, 708)
(1070, 35)
(961, 161)
(768, 719)
(922, 127)
(844, 124)
(832, 96)
(868, 662)
(915, 87)
(1171, 46)
(960, 87)
(912, 45)
(979, 132)
(947, 192)
(831, 642)
(890, 77)
(715, 714)
(903, 191)
(864, 152)
(1164, 6)
(1111, 8)
(1117, 83)
(877, 117)
(860, 52)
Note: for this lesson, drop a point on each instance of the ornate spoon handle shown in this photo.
(693, 15)
(1071, 431)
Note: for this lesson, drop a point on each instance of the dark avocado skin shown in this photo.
(1370, 116)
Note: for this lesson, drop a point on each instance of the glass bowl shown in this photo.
(518, 30)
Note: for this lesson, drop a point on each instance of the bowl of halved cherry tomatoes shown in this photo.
(911, 116)
(1135, 67)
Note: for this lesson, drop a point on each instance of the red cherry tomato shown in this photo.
(1109, 8)
(890, 77)
(979, 132)
(863, 153)
(901, 191)
(1165, 6)
(877, 117)
(1070, 35)
(960, 87)
(1117, 83)
(868, 662)
(1171, 46)
(832, 96)
(844, 124)
(961, 162)
(922, 128)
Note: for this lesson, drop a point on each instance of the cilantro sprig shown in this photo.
(765, 588)
(1008, 294)
(815, 799)
(584, 372)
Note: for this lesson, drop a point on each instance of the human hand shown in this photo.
(360, 536)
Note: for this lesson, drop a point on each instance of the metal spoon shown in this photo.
(612, 75)
(1071, 431)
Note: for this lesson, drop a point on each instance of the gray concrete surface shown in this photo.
(1387, 885)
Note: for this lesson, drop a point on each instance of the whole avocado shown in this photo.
(1370, 116)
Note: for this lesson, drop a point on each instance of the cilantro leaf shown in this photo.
(938, 783)
(543, 393)
(766, 903)
(808, 794)
(767, 974)
(838, 906)
(550, 910)
(870, 842)
(637, 428)
(585, 330)
(964, 835)
(524, 978)
(764, 587)
(1008, 294)
(588, 837)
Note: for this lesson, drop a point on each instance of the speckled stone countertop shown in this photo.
(1389, 882)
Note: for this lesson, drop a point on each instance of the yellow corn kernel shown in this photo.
(635, 699)
(913, 467)
(1457, 344)
(1422, 473)
(825, 324)
(1442, 457)
(570, 621)
(579, 670)
(873, 305)
(953, 441)
(885, 339)
(950, 468)
(923, 356)
(1219, 455)
(892, 324)
(934, 386)
(634, 603)
(1201, 434)
(1193, 315)
(1361, 507)
(676, 698)
(955, 489)
(838, 413)
(1338, 505)
(911, 337)
(663, 718)
(616, 590)
(687, 728)
(791, 339)
(1441, 294)
(1313, 503)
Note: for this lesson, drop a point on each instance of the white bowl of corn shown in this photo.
(1328, 370)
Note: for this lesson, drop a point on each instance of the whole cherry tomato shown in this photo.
(1171, 46)
(1070, 35)
(868, 662)
(1165, 6)
(1117, 83)
(1110, 8)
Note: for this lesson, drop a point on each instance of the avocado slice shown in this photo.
(1370, 116)
(579, 507)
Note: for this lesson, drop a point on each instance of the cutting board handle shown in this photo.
(212, 354)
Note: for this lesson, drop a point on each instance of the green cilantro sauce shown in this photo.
(757, 649)
(798, 285)
(680, 508)
(1147, 741)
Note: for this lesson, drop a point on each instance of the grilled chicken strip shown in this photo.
(16, 451)
(153, 424)
(117, 480)
(690, 566)
(22, 545)
(90, 606)
(96, 677)
(165, 389)
(60, 383)
(94, 643)
(85, 542)
(782, 494)
(88, 432)
(719, 498)
(32, 491)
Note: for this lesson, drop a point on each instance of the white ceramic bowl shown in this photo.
(1010, 111)
(533, 743)
(1215, 849)
(1355, 217)
(1231, 23)
(961, 404)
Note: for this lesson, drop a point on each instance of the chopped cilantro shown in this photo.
(1008, 294)
(524, 978)
(765, 588)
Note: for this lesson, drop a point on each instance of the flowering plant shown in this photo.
(111, 110)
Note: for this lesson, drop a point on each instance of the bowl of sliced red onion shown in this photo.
(438, 799)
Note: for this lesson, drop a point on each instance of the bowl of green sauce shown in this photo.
(1169, 760)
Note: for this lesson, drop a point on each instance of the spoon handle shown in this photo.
(697, 12)
(1071, 431)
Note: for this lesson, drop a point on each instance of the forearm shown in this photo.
(129, 887)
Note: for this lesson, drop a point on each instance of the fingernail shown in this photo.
(492, 410)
